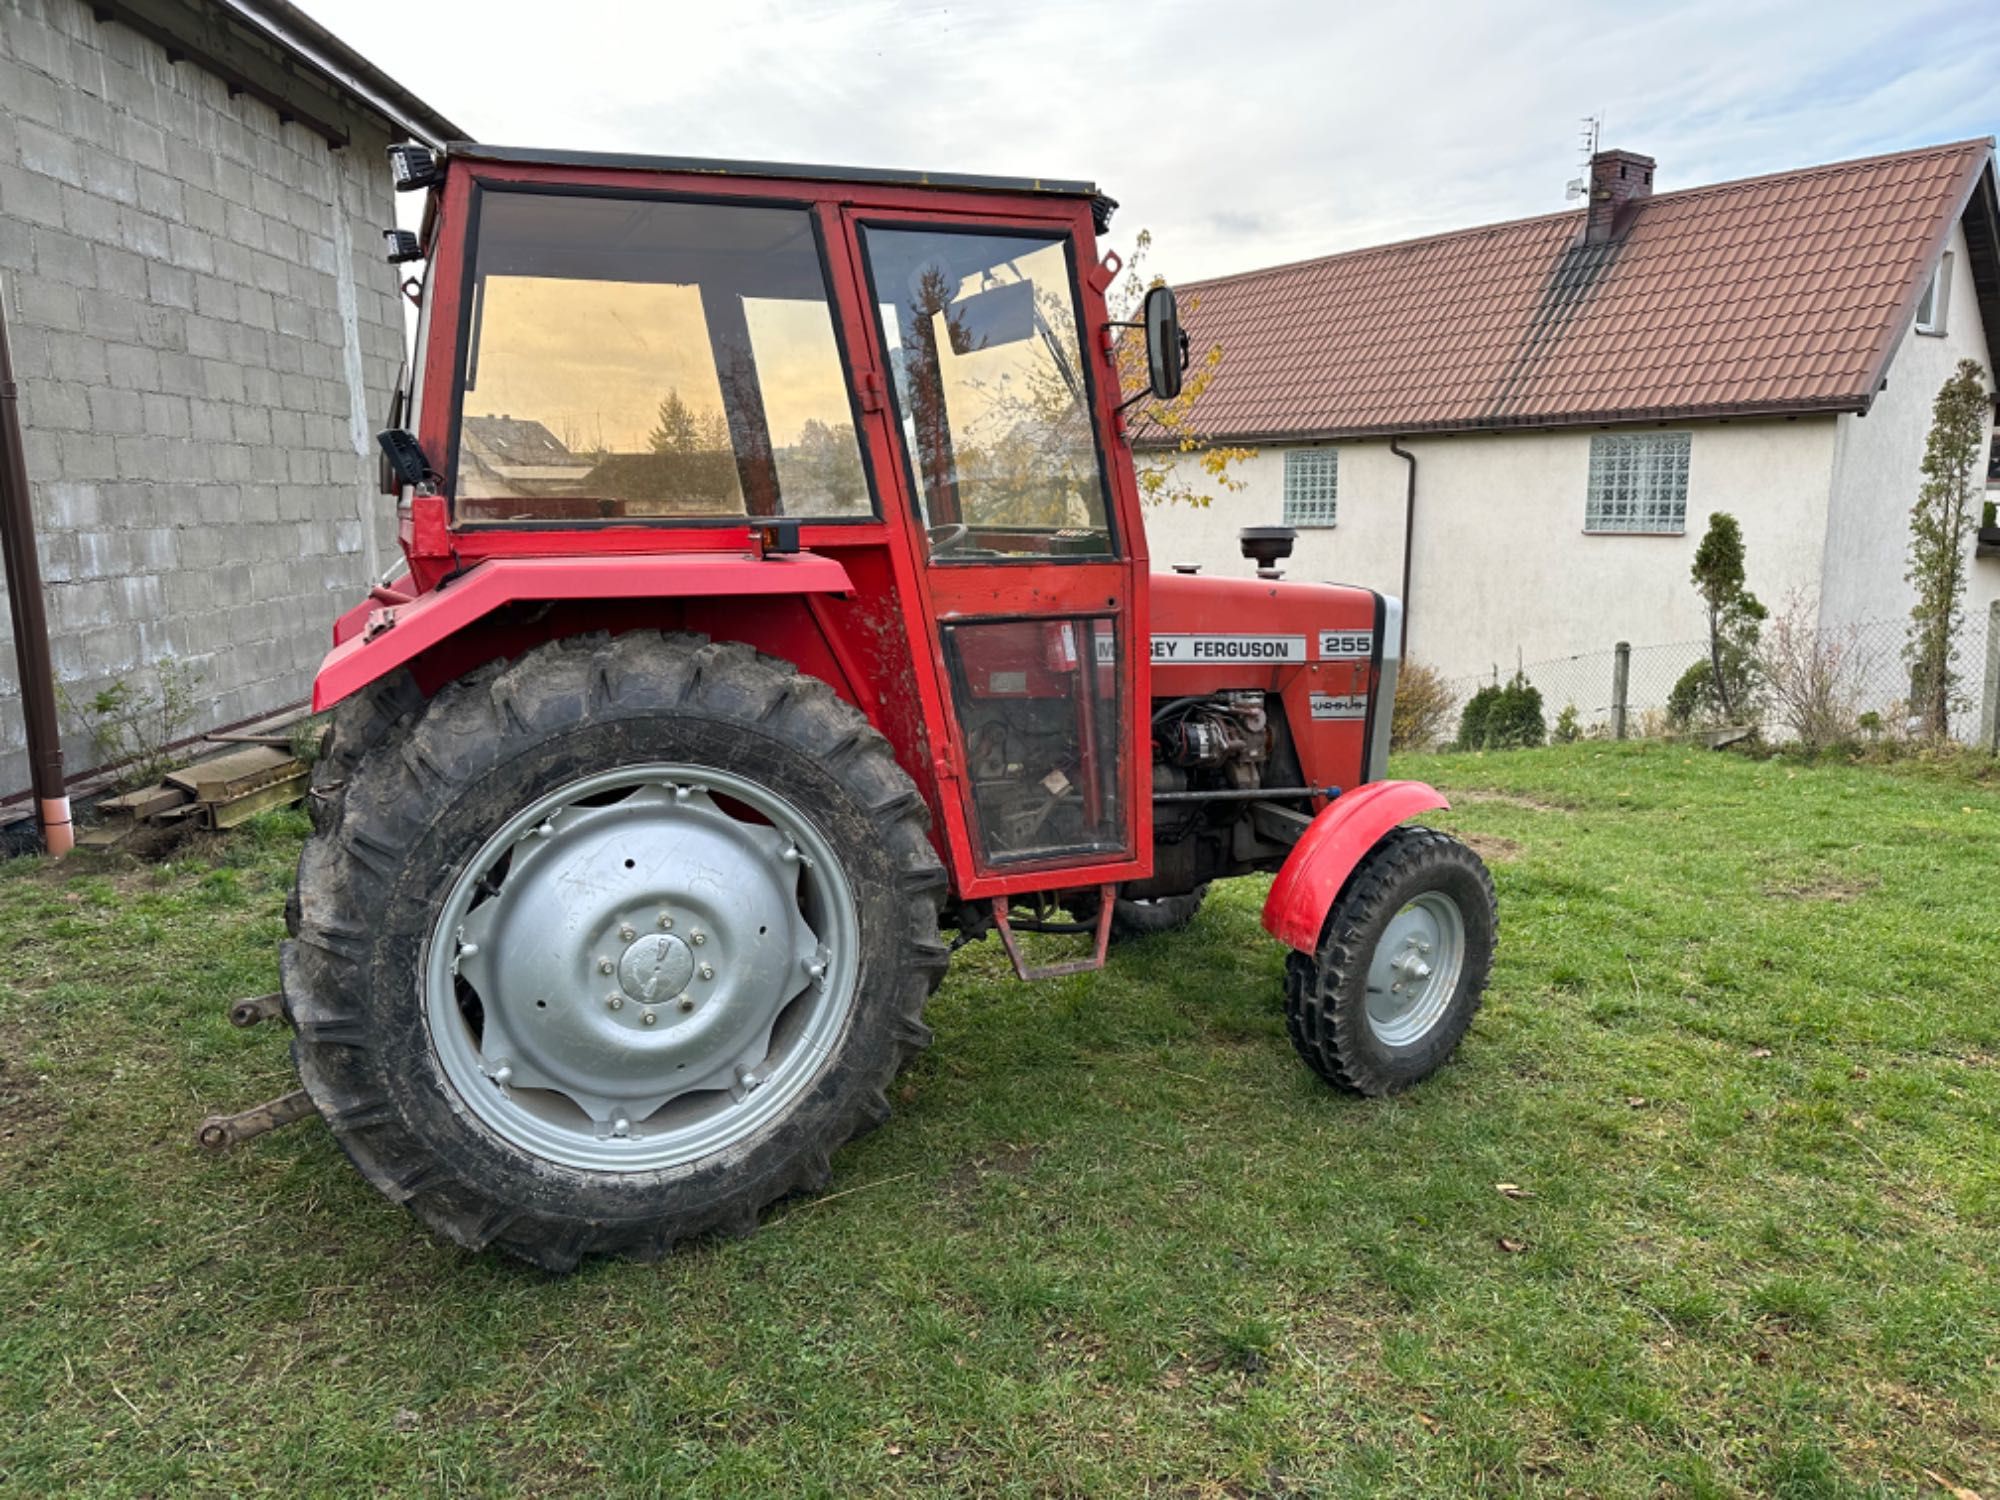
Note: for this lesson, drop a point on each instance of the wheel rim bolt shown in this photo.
(605, 966)
(666, 922)
(627, 932)
(616, 1002)
(697, 938)
(708, 971)
(649, 1018)
(687, 1002)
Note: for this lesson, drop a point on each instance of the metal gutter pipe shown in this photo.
(31, 621)
(1409, 532)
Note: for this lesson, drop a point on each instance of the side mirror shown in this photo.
(1166, 345)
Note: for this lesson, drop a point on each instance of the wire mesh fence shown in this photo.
(1856, 675)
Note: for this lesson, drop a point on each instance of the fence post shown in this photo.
(1621, 679)
(1989, 695)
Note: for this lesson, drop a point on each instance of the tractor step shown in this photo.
(1106, 898)
(220, 1132)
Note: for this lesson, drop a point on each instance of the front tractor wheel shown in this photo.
(613, 946)
(1401, 967)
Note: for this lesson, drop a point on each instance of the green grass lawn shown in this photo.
(1741, 1056)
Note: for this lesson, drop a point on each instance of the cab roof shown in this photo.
(1053, 187)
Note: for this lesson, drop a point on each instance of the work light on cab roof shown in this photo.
(775, 619)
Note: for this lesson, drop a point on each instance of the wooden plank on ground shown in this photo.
(278, 791)
(220, 778)
(146, 803)
(108, 835)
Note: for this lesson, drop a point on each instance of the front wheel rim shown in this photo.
(1415, 969)
(642, 968)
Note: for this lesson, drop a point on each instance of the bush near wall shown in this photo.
(1422, 716)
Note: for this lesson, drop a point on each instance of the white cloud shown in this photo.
(1243, 134)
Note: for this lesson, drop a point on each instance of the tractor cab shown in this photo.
(910, 377)
(776, 601)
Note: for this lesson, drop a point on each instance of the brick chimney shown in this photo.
(1616, 179)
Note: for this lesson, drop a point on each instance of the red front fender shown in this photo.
(376, 638)
(1338, 840)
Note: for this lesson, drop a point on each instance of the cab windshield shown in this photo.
(985, 346)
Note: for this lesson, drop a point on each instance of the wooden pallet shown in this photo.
(238, 784)
(220, 791)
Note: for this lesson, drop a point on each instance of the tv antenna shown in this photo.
(1593, 128)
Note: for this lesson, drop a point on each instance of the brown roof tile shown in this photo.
(1770, 294)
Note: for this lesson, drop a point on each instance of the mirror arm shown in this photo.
(1135, 400)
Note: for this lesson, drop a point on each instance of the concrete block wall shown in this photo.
(205, 336)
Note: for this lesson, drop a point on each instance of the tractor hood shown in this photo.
(1201, 622)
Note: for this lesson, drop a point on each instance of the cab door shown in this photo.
(1028, 558)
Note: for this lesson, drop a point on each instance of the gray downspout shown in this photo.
(31, 621)
(1409, 532)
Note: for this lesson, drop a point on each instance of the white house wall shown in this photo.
(1503, 569)
(1876, 477)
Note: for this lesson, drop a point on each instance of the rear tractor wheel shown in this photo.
(612, 946)
(1401, 968)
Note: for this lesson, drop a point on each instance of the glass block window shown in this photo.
(1312, 479)
(1638, 482)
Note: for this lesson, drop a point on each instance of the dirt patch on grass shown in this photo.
(1492, 848)
(963, 1183)
(28, 1115)
(1003, 1161)
(1509, 799)
(1828, 885)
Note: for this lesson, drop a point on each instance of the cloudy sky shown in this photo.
(1242, 133)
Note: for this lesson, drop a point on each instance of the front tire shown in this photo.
(1401, 968)
(612, 946)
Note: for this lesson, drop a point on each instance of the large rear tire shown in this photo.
(1401, 968)
(611, 946)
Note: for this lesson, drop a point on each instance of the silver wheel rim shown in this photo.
(631, 974)
(1414, 971)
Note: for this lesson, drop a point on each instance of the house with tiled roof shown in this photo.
(1522, 428)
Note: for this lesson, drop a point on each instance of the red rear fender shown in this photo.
(1339, 839)
(375, 638)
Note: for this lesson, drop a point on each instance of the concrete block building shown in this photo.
(205, 334)
(1526, 426)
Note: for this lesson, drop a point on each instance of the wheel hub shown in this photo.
(1415, 969)
(656, 967)
(630, 947)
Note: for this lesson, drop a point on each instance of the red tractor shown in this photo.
(777, 600)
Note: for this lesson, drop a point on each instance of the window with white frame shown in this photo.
(1638, 482)
(1931, 306)
(1312, 484)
